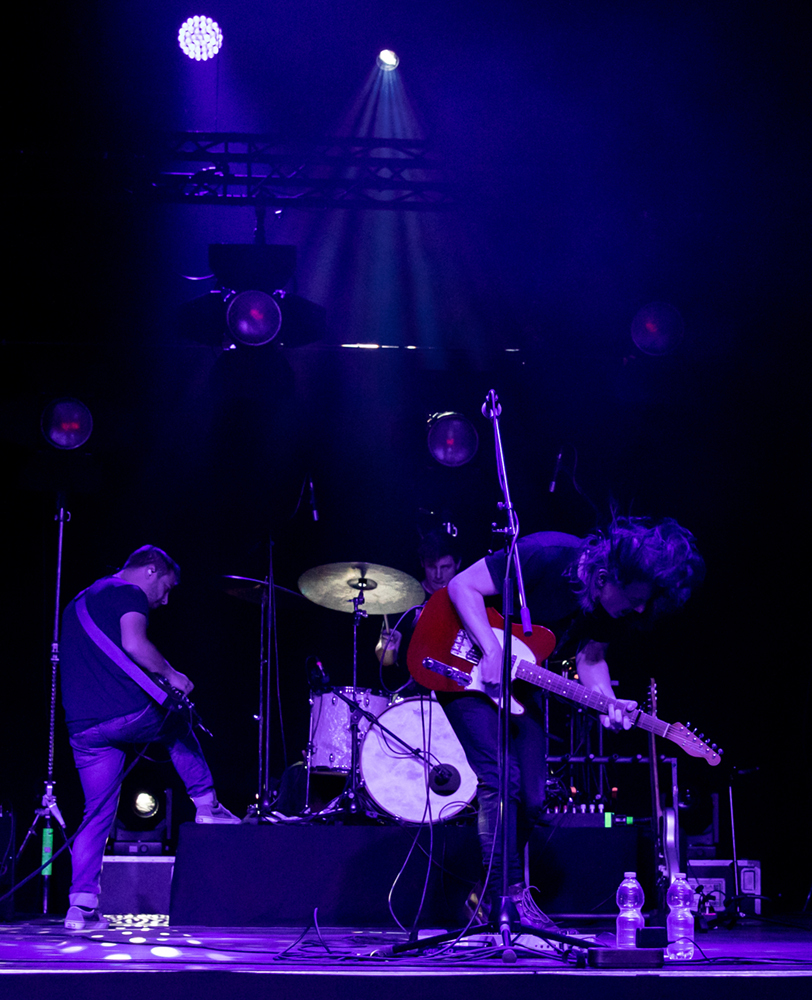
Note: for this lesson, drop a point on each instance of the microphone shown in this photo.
(313, 509)
(555, 473)
(317, 678)
(444, 779)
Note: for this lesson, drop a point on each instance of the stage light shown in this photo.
(253, 318)
(144, 817)
(145, 805)
(200, 38)
(452, 439)
(387, 60)
(657, 328)
(66, 423)
(249, 304)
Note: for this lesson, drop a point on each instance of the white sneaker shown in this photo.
(81, 918)
(215, 813)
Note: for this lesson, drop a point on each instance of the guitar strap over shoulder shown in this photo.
(117, 655)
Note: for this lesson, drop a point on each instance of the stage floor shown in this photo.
(38, 957)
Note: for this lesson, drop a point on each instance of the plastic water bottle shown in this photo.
(679, 923)
(629, 899)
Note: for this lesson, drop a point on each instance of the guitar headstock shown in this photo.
(694, 743)
(652, 698)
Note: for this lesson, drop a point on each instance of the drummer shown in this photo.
(440, 557)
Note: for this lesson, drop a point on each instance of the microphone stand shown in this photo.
(506, 916)
(49, 808)
(504, 922)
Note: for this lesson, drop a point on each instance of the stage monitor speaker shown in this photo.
(136, 884)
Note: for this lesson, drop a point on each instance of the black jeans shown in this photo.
(475, 720)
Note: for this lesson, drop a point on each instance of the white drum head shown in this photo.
(397, 780)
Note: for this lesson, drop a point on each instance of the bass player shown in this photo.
(108, 713)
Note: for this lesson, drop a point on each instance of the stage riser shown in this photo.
(276, 876)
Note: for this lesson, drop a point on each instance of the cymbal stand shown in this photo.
(268, 656)
(348, 800)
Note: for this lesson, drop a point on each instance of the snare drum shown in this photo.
(397, 780)
(330, 734)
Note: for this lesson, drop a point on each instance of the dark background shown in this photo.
(606, 156)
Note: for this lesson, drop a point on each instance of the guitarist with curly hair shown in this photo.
(585, 591)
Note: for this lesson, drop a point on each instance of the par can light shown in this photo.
(200, 38)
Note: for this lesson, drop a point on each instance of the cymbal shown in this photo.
(386, 591)
(246, 588)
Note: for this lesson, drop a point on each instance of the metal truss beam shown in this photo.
(228, 168)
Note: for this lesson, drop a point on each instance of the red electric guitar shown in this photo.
(442, 658)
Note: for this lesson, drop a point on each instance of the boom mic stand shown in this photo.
(504, 918)
(49, 809)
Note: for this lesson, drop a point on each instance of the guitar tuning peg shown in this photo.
(702, 736)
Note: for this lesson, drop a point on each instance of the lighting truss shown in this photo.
(237, 168)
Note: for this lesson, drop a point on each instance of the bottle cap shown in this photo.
(629, 874)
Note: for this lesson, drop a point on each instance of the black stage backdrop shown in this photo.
(603, 160)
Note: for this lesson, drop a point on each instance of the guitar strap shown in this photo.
(117, 655)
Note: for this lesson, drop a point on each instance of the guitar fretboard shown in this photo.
(573, 691)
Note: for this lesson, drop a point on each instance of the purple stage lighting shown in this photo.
(253, 318)
(452, 439)
(657, 328)
(200, 38)
(66, 423)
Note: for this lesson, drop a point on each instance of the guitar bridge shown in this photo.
(465, 649)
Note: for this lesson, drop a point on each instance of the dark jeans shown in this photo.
(100, 753)
(475, 720)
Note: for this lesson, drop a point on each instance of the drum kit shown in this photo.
(398, 755)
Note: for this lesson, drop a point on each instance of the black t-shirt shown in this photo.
(548, 561)
(94, 688)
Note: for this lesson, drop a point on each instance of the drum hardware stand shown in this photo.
(49, 808)
(348, 801)
(269, 653)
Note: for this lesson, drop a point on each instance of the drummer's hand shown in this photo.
(618, 716)
(388, 646)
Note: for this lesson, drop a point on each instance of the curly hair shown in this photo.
(639, 550)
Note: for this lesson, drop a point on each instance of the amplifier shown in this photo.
(716, 877)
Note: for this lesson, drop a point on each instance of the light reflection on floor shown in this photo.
(144, 942)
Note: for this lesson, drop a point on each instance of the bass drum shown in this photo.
(402, 784)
